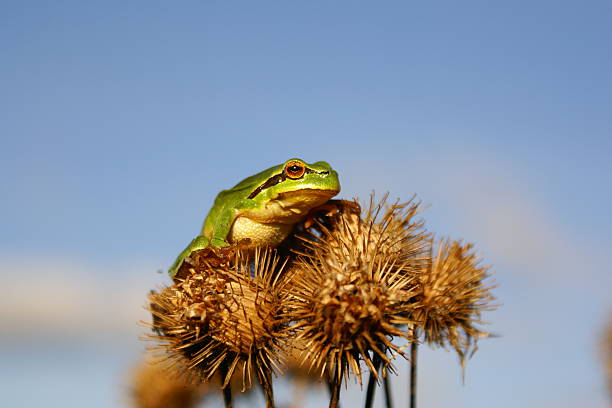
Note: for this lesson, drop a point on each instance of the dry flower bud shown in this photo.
(154, 386)
(352, 287)
(224, 317)
(607, 353)
(453, 293)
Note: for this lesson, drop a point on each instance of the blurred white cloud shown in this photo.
(493, 204)
(486, 200)
(65, 300)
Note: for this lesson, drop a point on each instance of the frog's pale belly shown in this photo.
(260, 234)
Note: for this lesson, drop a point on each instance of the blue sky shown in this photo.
(119, 122)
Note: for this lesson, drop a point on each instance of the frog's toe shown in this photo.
(329, 208)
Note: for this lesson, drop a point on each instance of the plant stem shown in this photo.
(227, 391)
(371, 383)
(265, 379)
(330, 387)
(413, 370)
(227, 396)
(388, 399)
(335, 395)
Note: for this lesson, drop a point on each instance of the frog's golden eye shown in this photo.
(295, 169)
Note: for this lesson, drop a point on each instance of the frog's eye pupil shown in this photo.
(295, 170)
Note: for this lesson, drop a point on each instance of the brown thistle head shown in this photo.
(607, 353)
(452, 294)
(153, 386)
(352, 287)
(224, 319)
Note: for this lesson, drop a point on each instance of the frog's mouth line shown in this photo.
(310, 192)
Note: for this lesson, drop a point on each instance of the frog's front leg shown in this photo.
(199, 242)
(218, 230)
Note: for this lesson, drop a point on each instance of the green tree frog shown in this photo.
(263, 208)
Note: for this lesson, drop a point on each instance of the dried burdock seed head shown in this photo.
(153, 386)
(452, 295)
(398, 233)
(352, 287)
(385, 229)
(294, 364)
(212, 257)
(217, 320)
(607, 353)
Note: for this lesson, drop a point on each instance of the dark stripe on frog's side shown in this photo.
(279, 178)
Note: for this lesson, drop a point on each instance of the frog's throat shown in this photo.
(306, 194)
(270, 224)
(289, 207)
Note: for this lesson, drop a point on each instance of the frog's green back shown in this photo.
(252, 182)
(227, 200)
